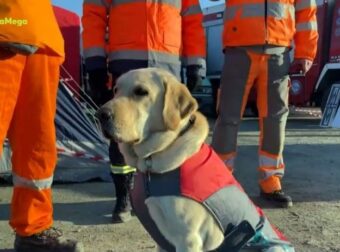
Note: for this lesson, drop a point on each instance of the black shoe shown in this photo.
(279, 197)
(121, 217)
(122, 211)
(49, 240)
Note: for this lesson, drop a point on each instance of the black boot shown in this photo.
(279, 198)
(49, 240)
(122, 210)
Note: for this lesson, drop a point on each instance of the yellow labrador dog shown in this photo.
(155, 120)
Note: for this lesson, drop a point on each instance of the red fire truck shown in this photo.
(311, 89)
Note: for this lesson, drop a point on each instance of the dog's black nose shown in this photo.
(104, 114)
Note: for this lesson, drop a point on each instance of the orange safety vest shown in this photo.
(274, 22)
(32, 23)
(144, 30)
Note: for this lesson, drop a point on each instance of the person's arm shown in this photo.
(95, 24)
(306, 36)
(193, 41)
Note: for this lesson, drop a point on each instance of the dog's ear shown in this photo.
(178, 103)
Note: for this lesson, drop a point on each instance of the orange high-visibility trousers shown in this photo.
(28, 92)
(269, 73)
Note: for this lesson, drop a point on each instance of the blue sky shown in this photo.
(73, 5)
(76, 5)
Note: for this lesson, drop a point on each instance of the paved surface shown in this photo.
(312, 158)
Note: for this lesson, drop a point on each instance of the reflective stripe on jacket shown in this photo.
(161, 31)
(274, 22)
(32, 24)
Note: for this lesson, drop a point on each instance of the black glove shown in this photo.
(98, 80)
(193, 77)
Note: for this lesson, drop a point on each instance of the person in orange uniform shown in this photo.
(257, 38)
(121, 35)
(31, 51)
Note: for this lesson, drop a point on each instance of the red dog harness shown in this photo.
(205, 179)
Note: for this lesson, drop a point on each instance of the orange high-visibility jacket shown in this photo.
(273, 22)
(153, 30)
(31, 23)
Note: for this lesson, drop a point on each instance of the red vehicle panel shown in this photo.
(334, 51)
(302, 87)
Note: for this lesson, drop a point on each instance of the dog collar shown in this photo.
(148, 160)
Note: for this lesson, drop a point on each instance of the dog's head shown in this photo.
(145, 101)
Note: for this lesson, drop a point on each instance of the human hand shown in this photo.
(301, 66)
(98, 80)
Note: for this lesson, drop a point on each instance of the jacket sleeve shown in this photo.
(95, 25)
(193, 35)
(306, 35)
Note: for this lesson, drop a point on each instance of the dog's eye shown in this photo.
(139, 91)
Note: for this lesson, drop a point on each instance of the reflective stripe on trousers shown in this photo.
(28, 91)
(122, 169)
(269, 73)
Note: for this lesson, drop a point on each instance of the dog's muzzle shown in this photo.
(105, 117)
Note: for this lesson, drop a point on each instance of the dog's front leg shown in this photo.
(129, 154)
(156, 142)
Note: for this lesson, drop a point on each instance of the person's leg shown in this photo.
(273, 90)
(33, 142)
(122, 176)
(236, 83)
(10, 71)
(32, 139)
